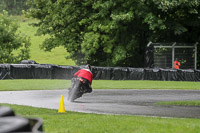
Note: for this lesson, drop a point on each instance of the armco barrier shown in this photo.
(49, 71)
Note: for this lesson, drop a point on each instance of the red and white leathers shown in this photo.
(86, 74)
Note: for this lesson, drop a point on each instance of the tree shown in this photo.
(14, 47)
(13, 7)
(114, 33)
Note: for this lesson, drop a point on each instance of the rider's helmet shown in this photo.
(88, 67)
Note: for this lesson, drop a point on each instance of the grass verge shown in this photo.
(42, 84)
(36, 84)
(144, 84)
(71, 122)
(180, 103)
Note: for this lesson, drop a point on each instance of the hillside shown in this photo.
(56, 56)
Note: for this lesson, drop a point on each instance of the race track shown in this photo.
(125, 102)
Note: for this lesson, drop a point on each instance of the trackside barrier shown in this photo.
(152, 74)
(103, 73)
(120, 73)
(168, 74)
(197, 75)
(49, 71)
(13, 123)
(5, 71)
(136, 73)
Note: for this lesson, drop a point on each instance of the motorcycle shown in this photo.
(77, 89)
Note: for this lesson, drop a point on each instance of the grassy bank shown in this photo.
(56, 56)
(71, 122)
(40, 84)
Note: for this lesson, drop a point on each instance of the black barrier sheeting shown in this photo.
(189, 75)
(136, 74)
(119, 73)
(103, 73)
(75, 69)
(152, 74)
(48, 71)
(168, 74)
(43, 71)
(21, 71)
(5, 71)
(197, 75)
(186, 75)
(63, 72)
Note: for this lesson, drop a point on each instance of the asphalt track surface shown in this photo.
(122, 102)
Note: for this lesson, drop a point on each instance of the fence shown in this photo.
(163, 55)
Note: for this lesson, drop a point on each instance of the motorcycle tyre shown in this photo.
(74, 91)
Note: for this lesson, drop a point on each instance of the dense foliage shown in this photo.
(114, 33)
(14, 46)
(13, 7)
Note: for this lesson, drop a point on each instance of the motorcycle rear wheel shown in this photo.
(74, 91)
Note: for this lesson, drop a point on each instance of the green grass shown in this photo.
(36, 84)
(180, 103)
(56, 56)
(71, 122)
(40, 84)
(144, 84)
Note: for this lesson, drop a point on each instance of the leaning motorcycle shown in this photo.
(77, 89)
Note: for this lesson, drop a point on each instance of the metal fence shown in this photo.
(163, 55)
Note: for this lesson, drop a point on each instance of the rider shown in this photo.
(87, 76)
